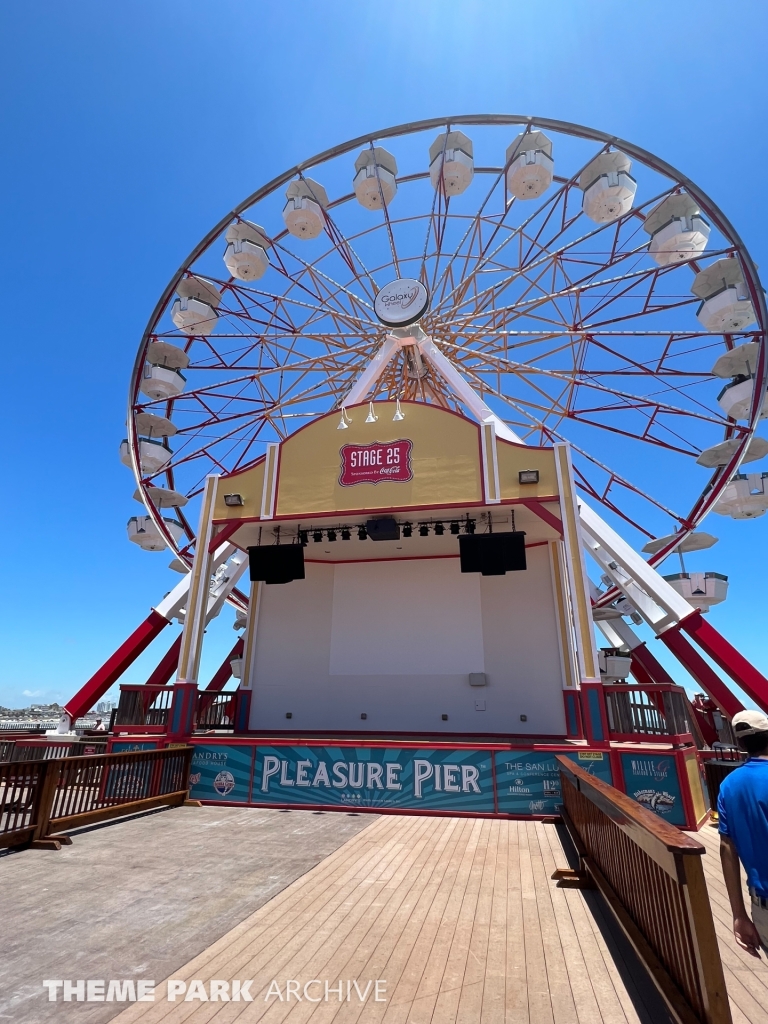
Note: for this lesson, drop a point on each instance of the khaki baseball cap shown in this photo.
(747, 723)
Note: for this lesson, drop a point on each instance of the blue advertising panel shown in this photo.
(451, 780)
(219, 772)
(653, 782)
(528, 782)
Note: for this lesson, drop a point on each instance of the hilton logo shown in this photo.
(401, 303)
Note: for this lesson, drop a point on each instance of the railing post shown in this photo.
(702, 926)
(183, 713)
(46, 794)
(594, 714)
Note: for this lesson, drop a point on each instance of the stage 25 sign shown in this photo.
(372, 463)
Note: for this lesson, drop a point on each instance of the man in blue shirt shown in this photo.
(743, 809)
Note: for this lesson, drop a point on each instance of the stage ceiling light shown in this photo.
(345, 534)
(423, 530)
(407, 529)
(331, 535)
(317, 536)
(454, 528)
(439, 529)
(362, 533)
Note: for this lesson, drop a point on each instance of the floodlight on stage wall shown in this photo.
(233, 500)
(528, 476)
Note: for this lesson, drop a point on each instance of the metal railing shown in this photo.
(652, 877)
(41, 798)
(660, 712)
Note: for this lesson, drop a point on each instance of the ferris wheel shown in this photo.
(585, 290)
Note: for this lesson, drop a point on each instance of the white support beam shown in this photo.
(372, 372)
(199, 589)
(464, 391)
(645, 588)
(173, 604)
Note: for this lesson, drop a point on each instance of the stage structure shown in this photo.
(424, 383)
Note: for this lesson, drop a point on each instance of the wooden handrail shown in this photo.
(41, 798)
(652, 878)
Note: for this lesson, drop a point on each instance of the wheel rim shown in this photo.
(527, 298)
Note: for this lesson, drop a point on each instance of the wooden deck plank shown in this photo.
(462, 919)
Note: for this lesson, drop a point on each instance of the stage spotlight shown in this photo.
(331, 535)
(454, 528)
(407, 529)
(362, 533)
(469, 526)
(317, 536)
(439, 529)
(303, 538)
(423, 530)
(345, 534)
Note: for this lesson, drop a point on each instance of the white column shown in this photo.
(199, 589)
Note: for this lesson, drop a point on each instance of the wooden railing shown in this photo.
(216, 710)
(21, 788)
(652, 877)
(41, 798)
(143, 705)
(655, 713)
(50, 747)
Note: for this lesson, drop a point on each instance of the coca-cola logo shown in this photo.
(401, 302)
(372, 463)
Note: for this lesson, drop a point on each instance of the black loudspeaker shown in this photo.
(383, 529)
(492, 554)
(276, 563)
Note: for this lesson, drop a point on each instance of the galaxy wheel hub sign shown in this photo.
(401, 303)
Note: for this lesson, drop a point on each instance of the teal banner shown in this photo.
(451, 780)
(528, 782)
(220, 772)
(653, 782)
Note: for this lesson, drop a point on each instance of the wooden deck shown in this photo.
(458, 916)
(462, 921)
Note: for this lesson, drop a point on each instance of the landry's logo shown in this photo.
(372, 463)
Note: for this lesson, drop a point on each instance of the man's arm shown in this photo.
(743, 929)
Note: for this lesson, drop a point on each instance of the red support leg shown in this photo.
(114, 666)
(647, 664)
(701, 672)
(162, 674)
(728, 658)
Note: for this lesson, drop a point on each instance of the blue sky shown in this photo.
(129, 129)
